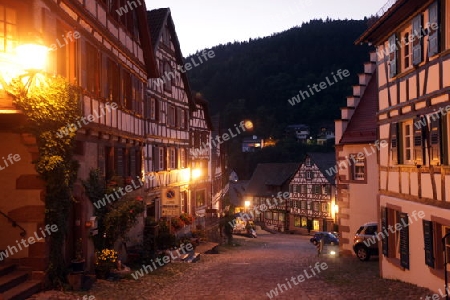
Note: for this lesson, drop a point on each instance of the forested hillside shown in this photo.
(254, 80)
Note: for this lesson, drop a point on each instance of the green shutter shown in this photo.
(433, 37)
(393, 53)
(444, 142)
(435, 141)
(404, 241)
(394, 143)
(428, 242)
(417, 43)
(418, 142)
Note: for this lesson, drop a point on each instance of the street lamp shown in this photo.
(28, 60)
(32, 57)
(247, 205)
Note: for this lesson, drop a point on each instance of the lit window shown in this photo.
(182, 158)
(160, 158)
(8, 29)
(358, 170)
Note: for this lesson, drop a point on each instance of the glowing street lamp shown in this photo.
(32, 57)
(24, 63)
(196, 174)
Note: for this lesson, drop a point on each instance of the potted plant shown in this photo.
(106, 261)
(78, 261)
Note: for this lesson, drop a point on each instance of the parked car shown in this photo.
(328, 238)
(365, 242)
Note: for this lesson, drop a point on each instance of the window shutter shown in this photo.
(83, 64)
(119, 161)
(393, 52)
(417, 43)
(428, 242)
(433, 37)
(418, 142)
(384, 240)
(394, 143)
(133, 163)
(444, 142)
(404, 241)
(104, 73)
(155, 159)
(435, 142)
(101, 159)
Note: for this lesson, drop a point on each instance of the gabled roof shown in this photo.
(362, 127)
(324, 161)
(393, 17)
(198, 98)
(144, 35)
(272, 174)
(156, 20)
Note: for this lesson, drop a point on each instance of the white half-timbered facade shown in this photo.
(413, 43)
(167, 123)
(312, 194)
(267, 194)
(200, 157)
(357, 158)
(102, 52)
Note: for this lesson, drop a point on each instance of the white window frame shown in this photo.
(408, 139)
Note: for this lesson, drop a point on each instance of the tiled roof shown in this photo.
(273, 174)
(362, 127)
(324, 162)
(156, 19)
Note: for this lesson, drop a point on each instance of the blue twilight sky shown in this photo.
(202, 24)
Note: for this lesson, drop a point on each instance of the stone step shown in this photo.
(12, 279)
(7, 268)
(22, 291)
(35, 263)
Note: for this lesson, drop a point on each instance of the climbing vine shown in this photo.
(50, 104)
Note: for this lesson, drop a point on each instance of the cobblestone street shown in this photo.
(252, 270)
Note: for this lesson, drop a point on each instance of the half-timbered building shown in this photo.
(167, 123)
(412, 40)
(312, 194)
(267, 194)
(357, 158)
(200, 158)
(102, 52)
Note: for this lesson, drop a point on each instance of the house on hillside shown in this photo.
(325, 136)
(301, 132)
(103, 53)
(268, 194)
(167, 123)
(312, 203)
(357, 157)
(412, 41)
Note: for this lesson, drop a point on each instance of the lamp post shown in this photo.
(445, 264)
